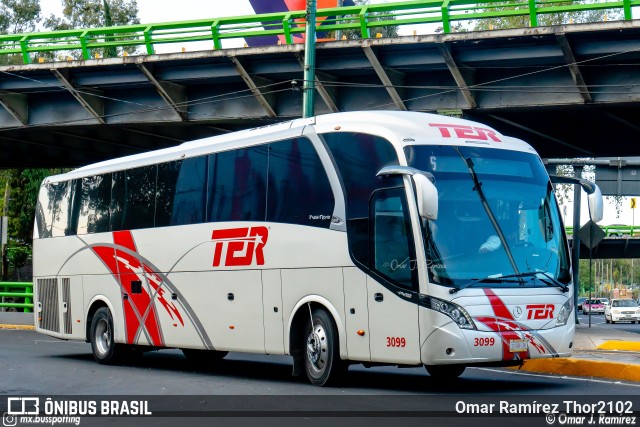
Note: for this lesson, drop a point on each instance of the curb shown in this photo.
(620, 345)
(22, 327)
(583, 368)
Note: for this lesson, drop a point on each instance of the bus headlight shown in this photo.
(454, 311)
(565, 312)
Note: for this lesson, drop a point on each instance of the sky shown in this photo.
(156, 11)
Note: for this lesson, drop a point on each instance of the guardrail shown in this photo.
(20, 290)
(614, 231)
(286, 25)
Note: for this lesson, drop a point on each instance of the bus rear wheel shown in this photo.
(322, 359)
(445, 372)
(105, 350)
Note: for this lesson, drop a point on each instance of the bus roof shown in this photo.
(400, 126)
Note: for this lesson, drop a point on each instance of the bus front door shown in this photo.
(393, 314)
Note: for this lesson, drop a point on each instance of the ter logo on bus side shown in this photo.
(465, 132)
(237, 247)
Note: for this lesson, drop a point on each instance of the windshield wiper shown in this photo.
(499, 278)
(549, 279)
(553, 281)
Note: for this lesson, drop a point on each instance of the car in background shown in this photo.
(581, 300)
(605, 301)
(622, 310)
(593, 305)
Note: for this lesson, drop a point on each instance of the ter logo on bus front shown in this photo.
(465, 132)
(237, 247)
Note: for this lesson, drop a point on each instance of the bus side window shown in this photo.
(238, 185)
(44, 211)
(60, 213)
(94, 205)
(133, 201)
(298, 189)
(189, 201)
(391, 241)
(165, 192)
(359, 157)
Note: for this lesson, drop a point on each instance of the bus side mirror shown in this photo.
(426, 191)
(596, 208)
(427, 197)
(594, 195)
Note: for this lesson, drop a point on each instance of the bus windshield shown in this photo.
(498, 223)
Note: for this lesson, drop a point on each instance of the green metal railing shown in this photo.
(614, 231)
(23, 291)
(363, 19)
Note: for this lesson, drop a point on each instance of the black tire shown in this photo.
(445, 372)
(203, 358)
(321, 353)
(105, 350)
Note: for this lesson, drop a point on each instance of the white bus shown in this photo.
(395, 238)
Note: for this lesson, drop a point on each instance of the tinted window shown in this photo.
(359, 157)
(237, 185)
(60, 213)
(44, 210)
(191, 192)
(392, 249)
(166, 191)
(299, 191)
(134, 194)
(95, 199)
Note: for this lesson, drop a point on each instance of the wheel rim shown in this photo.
(317, 350)
(103, 337)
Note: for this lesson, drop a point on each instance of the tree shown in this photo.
(18, 16)
(96, 14)
(543, 19)
(387, 31)
(23, 187)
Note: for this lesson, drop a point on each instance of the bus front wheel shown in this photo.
(445, 372)
(322, 359)
(105, 350)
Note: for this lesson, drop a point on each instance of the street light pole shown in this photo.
(308, 91)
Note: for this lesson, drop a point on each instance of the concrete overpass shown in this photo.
(569, 90)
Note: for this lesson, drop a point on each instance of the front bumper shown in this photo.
(448, 344)
(625, 317)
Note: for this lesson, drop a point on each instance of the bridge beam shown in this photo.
(255, 90)
(572, 64)
(383, 75)
(90, 99)
(174, 95)
(17, 104)
(457, 75)
(327, 95)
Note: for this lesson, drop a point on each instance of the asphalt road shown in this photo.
(598, 320)
(255, 389)
(32, 363)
